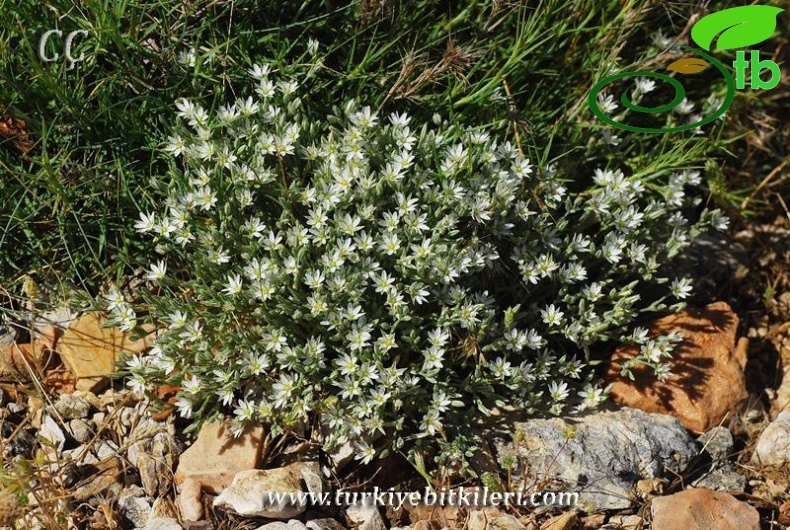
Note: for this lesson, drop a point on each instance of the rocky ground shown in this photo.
(708, 449)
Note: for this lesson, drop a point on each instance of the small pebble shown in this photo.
(80, 430)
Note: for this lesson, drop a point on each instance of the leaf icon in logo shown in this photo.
(739, 27)
(688, 65)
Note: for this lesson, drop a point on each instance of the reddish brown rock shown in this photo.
(784, 514)
(706, 386)
(703, 509)
(17, 361)
(216, 456)
(212, 461)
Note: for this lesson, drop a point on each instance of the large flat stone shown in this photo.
(90, 350)
(601, 456)
(707, 385)
(216, 456)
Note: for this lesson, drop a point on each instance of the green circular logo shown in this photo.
(680, 94)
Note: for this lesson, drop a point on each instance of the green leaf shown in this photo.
(739, 27)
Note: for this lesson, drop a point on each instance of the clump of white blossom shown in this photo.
(388, 275)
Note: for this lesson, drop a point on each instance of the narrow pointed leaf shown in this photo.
(688, 65)
(739, 27)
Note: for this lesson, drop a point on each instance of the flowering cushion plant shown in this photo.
(387, 275)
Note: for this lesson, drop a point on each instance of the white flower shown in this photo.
(260, 72)
(219, 256)
(127, 318)
(199, 117)
(176, 145)
(157, 271)
(187, 57)
(719, 221)
(347, 364)
(274, 340)
(178, 319)
(248, 107)
(433, 358)
(263, 290)
(399, 120)
(515, 339)
(418, 293)
(430, 423)
(383, 281)
(367, 374)
(662, 372)
(314, 279)
(558, 391)
(146, 223)
(591, 397)
(604, 177)
(501, 368)
(613, 247)
(358, 338)
(245, 410)
(551, 315)
(651, 351)
(644, 85)
(390, 221)
(606, 103)
(255, 364)
(479, 210)
(265, 89)
(639, 335)
(681, 288)
(350, 388)
(115, 299)
(228, 114)
(610, 138)
(191, 385)
(184, 407)
(192, 332)
(288, 87)
(405, 204)
(593, 292)
(312, 46)
(365, 452)
(137, 384)
(225, 395)
(390, 243)
(386, 342)
(364, 118)
(185, 107)
(684, 107)
(348, 224)
(661, 40)
(233, 285)
(440, 402)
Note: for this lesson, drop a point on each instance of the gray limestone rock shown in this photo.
(717, 447)
(773, 446)
(601, 456)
